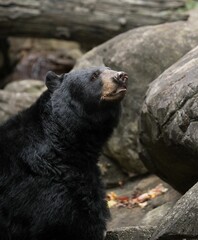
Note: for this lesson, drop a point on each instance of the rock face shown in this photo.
(153, 217)
(182, 221)
(111, 173)
(17, 96)
(169, 124)
(32, 58)
(130, 233)
(143, 53)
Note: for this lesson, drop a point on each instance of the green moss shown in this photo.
(191, 4)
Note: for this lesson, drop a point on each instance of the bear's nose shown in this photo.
(121, 78)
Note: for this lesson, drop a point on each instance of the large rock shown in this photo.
(112, 175)
(17, 96)
(153, 217)
(169, 124)
(130, 233)
(144, 53)
(31, 58)
(181, 222)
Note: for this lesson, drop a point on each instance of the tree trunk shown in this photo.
(85, 21)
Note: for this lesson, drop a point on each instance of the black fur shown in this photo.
(50, 187)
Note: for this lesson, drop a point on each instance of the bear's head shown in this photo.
(89, 88)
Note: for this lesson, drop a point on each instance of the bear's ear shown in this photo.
(53, 81)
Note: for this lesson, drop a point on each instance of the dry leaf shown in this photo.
(111, 196)
(141, 200)
(111, 203)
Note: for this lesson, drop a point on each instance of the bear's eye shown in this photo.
(95, 75)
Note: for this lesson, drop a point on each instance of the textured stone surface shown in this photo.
(153, 217)
(182, 221)
(169, 124)
(17, 96)
(31, 58)
(26, 86)
(111, 173)
(144, 53)
(130, 233)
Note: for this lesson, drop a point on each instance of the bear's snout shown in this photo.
(121, 78)
(114, 85)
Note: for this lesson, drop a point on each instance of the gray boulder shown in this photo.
(169, 124)
(130, 233)
(153, 217)
(144, 53)
(182, 220)
(17, 96)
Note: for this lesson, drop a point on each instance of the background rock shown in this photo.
(17, 96)
(130, 233)
(153, 217)
(111, 173)
(143, 53)
(169, 127)
(31, 58)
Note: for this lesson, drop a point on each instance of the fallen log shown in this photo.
(85, 21)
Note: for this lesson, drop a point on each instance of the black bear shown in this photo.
(50, 186)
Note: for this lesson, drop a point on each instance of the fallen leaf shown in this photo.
(123, 198)
(111, 203)
(142, 200)
(111, 196)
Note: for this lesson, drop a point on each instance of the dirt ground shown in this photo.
(123, 216)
